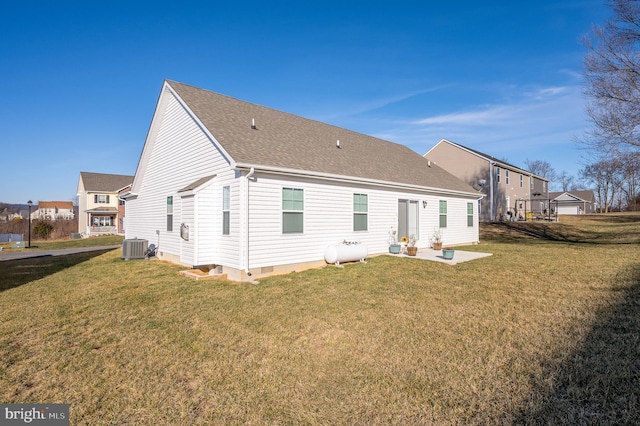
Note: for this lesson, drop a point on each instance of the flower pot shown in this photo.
(448, 254)
(394, 248)
(437, 246)
(412, 251)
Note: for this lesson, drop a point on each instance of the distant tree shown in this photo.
(566, 181)
(612, 80)
(42, 229)
(630, 170)
(540, 168)
(604, 175)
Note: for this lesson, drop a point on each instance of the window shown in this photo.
(101, 198)
(443, 214)
(292, 210)
(360, 212)
(169, 213)
(226, 207)
(544, 186)
(469, 214)
(506, 177)
(102, 220)
(531, 180)
(521, 181)
(121, 202)
(498, 174)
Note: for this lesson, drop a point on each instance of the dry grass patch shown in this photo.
(541, 332)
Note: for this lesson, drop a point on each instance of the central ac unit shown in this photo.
(134, 249)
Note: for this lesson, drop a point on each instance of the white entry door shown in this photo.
(408, 218)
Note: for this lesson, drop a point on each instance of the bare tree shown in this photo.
(612, 77)
(566, 181)
(540, 168)
(604, 175)
(630, 170)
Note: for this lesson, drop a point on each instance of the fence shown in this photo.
(7, 238)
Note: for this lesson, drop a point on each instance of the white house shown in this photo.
(52, 210)
(253, 191)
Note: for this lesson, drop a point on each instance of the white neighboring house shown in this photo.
(254, 191)
(53, 210)
(99, 208)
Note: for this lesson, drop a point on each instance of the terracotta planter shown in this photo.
(412, 251)
(437, 246)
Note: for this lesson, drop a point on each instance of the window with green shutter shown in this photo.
(360, 212)
(292, 210)
(443, 214)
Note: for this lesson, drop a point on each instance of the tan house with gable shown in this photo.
(99, 208)
(510, 192)
(574, 202)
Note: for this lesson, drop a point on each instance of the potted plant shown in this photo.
(394, 247)
(447, 253)
(437, 239)
(412, 250)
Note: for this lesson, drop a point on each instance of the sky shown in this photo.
(80, 80)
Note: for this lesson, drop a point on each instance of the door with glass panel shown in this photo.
(408, 219)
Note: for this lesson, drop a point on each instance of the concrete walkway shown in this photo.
(436, 256)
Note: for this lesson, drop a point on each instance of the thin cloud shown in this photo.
(469, 118)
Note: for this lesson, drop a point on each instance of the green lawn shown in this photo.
(106, 240)
(545, 331)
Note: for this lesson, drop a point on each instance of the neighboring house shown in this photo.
(253, 191)
(98, 202)
(53, 210)
(573, 202)
(510, 191)
(122, 192)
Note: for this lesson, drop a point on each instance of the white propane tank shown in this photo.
(345, 253)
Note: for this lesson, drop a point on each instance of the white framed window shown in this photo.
(506, 177)
(360, 212)
(469, 214)
(226, 210)
(170, 213)
(102, 220)
(443, 214)
(292, 210)
(498, 174)
(101, 198)
(531, 181)
(521, 181)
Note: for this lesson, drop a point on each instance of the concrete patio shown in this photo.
(436, 256)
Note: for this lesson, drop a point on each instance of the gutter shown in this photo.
(351, 179)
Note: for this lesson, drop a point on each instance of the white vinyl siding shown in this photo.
(360, 212)
(292, 210)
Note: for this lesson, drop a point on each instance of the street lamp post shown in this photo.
(29, 203)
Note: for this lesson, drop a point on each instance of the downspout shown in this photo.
(492, 213)
(246, 243)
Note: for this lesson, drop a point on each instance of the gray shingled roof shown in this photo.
(286, 141)
(586, 195)
(104, 182)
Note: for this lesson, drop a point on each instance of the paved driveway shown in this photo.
(44, 253)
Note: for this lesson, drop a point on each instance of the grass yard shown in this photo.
(545, 331)
(106, 240)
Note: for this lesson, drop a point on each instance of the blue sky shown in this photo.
(80, 80)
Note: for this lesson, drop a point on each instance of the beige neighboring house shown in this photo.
(53, 210)
(573, 202)
(99, 210)
(510, 192)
